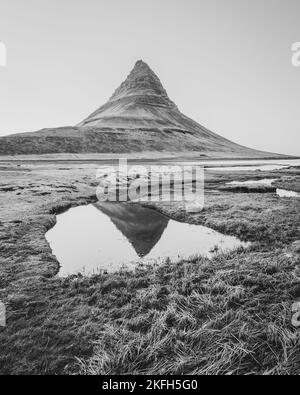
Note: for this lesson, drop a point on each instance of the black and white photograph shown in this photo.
(149, 190)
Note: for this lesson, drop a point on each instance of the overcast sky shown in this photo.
(226, 63)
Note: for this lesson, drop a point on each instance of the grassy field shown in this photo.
(228, 315)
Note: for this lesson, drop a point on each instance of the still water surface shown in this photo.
(108, 236)
(285, 193)
(245, 165)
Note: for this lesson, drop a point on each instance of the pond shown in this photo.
(265, 181)
(285, 193)
(109, 236)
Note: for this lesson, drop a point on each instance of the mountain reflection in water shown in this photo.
(142, 227)
(108, 236)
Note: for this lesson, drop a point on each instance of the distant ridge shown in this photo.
(139, 117)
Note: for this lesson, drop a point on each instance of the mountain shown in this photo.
(138, 117)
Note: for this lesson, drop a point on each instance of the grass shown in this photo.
(231, 315)
(228, 315)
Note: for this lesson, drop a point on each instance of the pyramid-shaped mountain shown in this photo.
(139, 117)
(140, 103)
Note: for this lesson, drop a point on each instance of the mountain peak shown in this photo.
(142, 81)
(142, 68)
(140, 64)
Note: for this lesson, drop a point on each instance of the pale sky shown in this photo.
(226, 63)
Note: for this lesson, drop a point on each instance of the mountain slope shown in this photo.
(138, 117)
